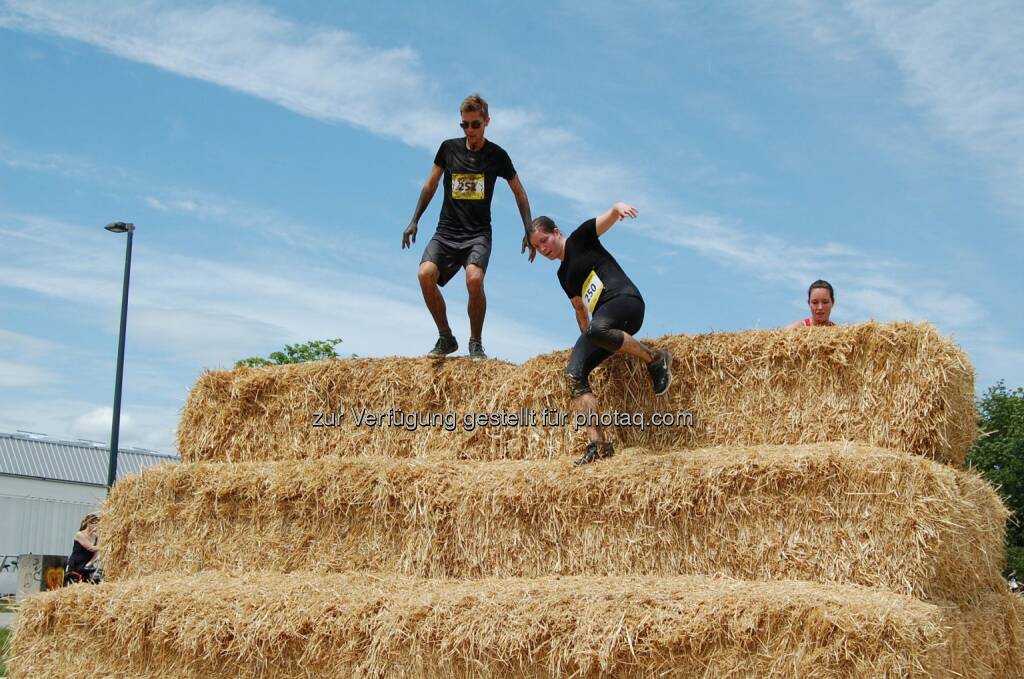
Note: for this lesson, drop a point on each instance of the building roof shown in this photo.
(41, 457)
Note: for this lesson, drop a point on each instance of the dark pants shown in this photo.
(603, 337)
(450, 257)
(77, 575)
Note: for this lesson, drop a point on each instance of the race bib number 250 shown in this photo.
(592, 288)
(467, 186)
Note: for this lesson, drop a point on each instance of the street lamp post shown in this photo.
(119, 227)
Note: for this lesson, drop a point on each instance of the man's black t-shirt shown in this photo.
(469, 178)
(589, 271)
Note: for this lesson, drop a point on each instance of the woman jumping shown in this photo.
(609, 312)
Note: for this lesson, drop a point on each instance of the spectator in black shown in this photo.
(84, 551)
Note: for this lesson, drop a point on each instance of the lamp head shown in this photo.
(119, 227)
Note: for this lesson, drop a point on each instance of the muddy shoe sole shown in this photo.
(594, 452)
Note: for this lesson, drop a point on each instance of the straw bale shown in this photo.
(360, 625)
(236, 414)
(898, 385)
(988, 638)
(844, 513)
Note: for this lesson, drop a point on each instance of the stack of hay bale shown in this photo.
(814, 521)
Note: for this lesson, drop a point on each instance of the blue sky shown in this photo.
(271, 154)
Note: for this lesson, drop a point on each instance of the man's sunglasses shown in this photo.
(475, 124)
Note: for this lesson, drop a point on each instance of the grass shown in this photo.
(4, 634)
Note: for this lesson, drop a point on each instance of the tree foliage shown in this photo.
(314, 350)
(999, 455)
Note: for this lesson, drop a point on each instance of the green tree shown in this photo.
(314, 350)
(999, 455)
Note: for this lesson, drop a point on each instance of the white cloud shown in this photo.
(284, 230)
(148, 427)
(327, 74)
(96, 424)
(822, 27)
(140, 426)
(156, 203)
(65, 165)
(867, 285)
(963, 65)
(38, 258)
(21, 375)
(27, 345)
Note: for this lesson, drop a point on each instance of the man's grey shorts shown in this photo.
(450, 257)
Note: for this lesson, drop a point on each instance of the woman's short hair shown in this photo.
(824, 285)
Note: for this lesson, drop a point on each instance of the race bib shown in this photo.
(467, 186)
(592, 288)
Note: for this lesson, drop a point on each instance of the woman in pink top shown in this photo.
(820, 299)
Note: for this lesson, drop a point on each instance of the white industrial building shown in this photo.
(47, 486)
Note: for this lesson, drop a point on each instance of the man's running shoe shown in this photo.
(476, 349)
(446, 344)
(596, 450)
(661, 372)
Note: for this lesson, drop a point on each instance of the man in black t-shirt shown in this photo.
(596, 284)
(470, 167)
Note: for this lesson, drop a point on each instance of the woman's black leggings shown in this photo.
(603, 337)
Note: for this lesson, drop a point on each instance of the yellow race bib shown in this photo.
(467, 186)
(592, 288)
